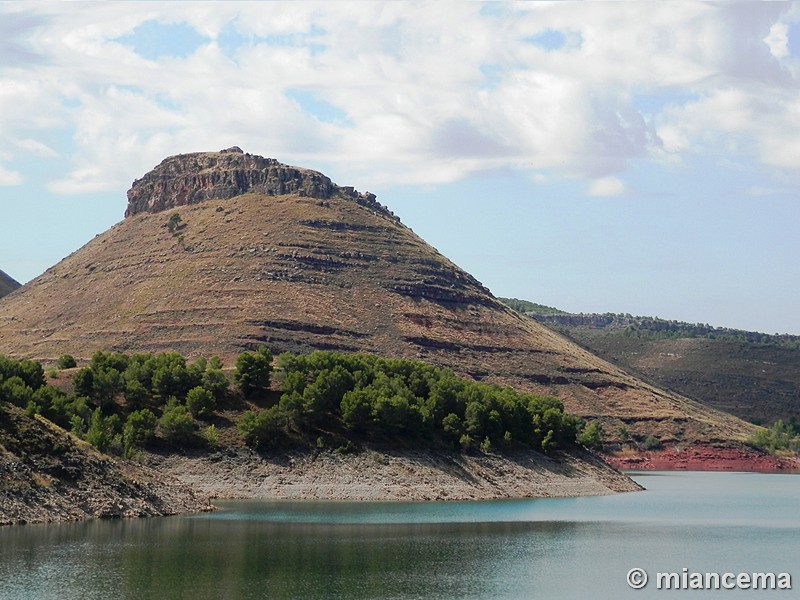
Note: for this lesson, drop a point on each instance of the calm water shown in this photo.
(558, 548)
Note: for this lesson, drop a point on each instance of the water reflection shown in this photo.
(569, 548)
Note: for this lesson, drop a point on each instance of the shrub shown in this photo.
(624, 435)
(592, 436)
(778, 437)
(651, 443)
(66, 361)
(210, 436)
(173, 222)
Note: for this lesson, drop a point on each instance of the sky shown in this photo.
(633, 157)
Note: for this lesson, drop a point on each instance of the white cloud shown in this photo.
(431, 91)
(778, 40)
(36, 147)
(607, 186)
(10, 177)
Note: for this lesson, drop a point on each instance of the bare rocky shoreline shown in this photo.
(381, 475)
(48, 476)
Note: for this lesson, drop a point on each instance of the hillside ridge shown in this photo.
(753, 375)
(7, 284)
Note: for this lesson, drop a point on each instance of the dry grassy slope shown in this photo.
(298, 274)
(7, 284)
(758, 383)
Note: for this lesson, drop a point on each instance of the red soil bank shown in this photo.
(705, 458)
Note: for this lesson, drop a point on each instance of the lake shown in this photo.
(510, 549)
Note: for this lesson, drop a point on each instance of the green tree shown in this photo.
(103, 431)
(171, 376)
(200, 402)
(264, 428)
(134, 391)
(107, 384)
(356, 409)
(139, 429)
(215, 381)
(327, 391)
(592, 436)
(253, 370)
(16, 391)
(452, 426)
(176, 424)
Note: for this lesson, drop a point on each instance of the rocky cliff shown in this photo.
(191, 178)
(7, 284)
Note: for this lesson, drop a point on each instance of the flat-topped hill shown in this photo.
(226, 251)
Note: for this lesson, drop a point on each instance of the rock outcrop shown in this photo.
(7, 284)
(191, 178)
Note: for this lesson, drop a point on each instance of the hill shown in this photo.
(226, 251)
(753, 375)
(47, 475)
(7, 284)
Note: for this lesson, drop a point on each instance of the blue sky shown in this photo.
(625, 157)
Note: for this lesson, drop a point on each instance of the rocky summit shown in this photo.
(7, 284)
(225, 251)
(191, 178)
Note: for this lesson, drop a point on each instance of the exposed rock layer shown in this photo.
(191, 178)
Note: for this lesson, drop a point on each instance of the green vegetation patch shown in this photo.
(379, 399)
(122, 403)
(524, 306)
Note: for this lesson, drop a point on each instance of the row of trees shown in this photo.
(381, 399)
(122, 402)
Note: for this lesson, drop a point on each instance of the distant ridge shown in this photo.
(7, 284)
(224, 251)
(754, 375)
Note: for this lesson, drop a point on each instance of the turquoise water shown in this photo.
(550, 548)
